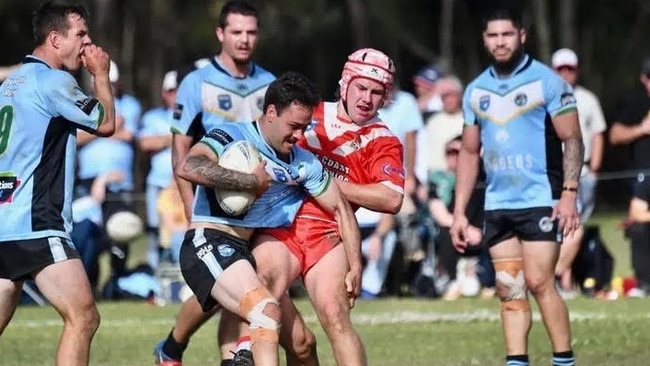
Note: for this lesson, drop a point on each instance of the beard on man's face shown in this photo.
(506, 67)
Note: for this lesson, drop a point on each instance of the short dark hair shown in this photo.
(510, 13)
(236, 7)
(53, 16)
(291, 87)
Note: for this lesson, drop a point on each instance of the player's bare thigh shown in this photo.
(234, 283)
(277, 267)
(540, 258)
(325, 281)
(65, 285)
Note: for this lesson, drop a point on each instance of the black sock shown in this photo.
(516, 360)
(563, 358)
(173, 349)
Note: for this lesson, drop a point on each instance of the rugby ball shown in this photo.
(124, 226)
(241, 156)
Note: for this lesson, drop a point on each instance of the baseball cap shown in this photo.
(428, 75)
(113, 72)
(564, 57)
(170, 81)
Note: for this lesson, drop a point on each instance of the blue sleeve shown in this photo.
(155, 122)
(559, 96)
(219, 138)
(188, 104)
(316, 178)
(413, 118)
(469, 117)
(65, 98)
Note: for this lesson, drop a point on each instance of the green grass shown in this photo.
(395, 331)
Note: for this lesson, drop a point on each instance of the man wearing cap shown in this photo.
(632, 127)
(592, 127)
(424, 83)
(155, 140)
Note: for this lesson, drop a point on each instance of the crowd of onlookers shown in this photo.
(416, 257)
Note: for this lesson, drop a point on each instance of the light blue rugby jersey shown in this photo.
(278, 205)
(210, 96)
(157, 122)
(522, 154)
(40, 111)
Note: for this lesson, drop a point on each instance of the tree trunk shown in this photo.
(540, 15)
(358, 22)
(567, 16)
(447, 34)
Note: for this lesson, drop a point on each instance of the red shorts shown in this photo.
(307, 239)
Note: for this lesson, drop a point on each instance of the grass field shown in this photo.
(395, 331)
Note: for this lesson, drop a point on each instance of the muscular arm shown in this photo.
(180, 146)
(468, 160)
(621, 134)
(377, 196)
(104, 95)
(597, 146)
(333, 201)
(200, 167)
(568, 130)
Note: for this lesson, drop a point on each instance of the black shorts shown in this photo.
(205, 254)
(530, 224)
(20, 258)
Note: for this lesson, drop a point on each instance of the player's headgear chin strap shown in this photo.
(367, 63)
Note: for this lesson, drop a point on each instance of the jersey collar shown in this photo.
(33, 59)
(219, 66)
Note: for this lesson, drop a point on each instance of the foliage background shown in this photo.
(149, 37)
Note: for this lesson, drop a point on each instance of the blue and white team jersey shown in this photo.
(522, 154)
(210, 96)
(40, 111)
(104, 154)
(278, 205)
(157, 122)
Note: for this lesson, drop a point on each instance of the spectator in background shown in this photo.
(426, 90)
(155, 139)
(639, 234)
(378, 244)
(443, 126)
(592, 127)
(101, 155)
(173, 223)
(632, 125)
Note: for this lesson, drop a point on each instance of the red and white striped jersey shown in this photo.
(365, 154)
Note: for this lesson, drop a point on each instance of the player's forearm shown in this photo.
(350, 236)
(186, 191)
(84, 137)
(104, 95)
(573, 158)
(409, 154)
(440, 213)
(597, 148)
(206, 172)
(465, 179)
(376, 197)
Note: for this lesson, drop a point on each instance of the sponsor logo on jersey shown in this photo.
(545, 224)
(391, 170)
(86, 105)
(220, 136)
(279, 175)
(567, 98)
(204, 250)
(225, 101)
(8, 185)
(484, 103)
(226, 250)
(521, 99)
(178, 111)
